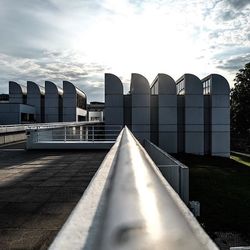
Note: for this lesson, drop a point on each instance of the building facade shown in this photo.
(164, 113)
(186, 116)
(16, 110)
(53, 102)
(95, 111)
(37, 104)
(216, 115)
(74, 103)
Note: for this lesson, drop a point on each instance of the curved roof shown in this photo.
(166, 84)
(53, 85)
(16, 86)
(33, 85)
(193, 84)
(139, 84)
(113, 84)
(71, 86)
(219, 84)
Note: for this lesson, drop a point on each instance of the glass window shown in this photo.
(181, 88)
(81, 102)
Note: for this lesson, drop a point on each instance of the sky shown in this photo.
(80, 40)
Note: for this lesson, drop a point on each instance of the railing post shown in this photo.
(93, 130)
(65, 134)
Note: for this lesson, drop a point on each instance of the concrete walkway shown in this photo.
(38, 190)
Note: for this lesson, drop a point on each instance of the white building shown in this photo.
(164, 113)
(190, 114)
(53, 102)
(74, 103)
(186, 116)
(35, 98)
(216, 92)
(35, 103)
(95, 111)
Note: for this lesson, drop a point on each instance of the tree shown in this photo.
(240, 104)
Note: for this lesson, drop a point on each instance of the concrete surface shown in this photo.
(38, 190)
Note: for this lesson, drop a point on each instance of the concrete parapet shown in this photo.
(176, 173)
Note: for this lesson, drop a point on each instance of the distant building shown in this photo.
(16, 110)
(190, 114)
(95, 111)
(35, 98)
(74, 103)
(53, 102)
(4, 98)
(38, 104)
(216, 92)
(186, 116)
(164, 112)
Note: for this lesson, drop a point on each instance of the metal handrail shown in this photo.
(44, 126)
(81, 133)
(137, 210)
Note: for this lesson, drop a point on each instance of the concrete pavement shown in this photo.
(38, 190)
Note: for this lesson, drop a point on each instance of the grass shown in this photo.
(222, 186)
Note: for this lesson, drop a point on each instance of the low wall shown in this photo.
(12, 137)
(176, 173)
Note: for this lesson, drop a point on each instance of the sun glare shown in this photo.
(148, 42)
(148, 200)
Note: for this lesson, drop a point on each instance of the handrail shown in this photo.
(46, 125)
(138, 209)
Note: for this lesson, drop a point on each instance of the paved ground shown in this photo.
(38, 190)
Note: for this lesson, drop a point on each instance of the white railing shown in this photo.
(77, 136)
(78, 133)
(18, 127)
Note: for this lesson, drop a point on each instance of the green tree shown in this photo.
(240, 104)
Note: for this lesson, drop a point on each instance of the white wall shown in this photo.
(220, 116)
(34, 98)
(167, 99)
(140, 104)
(95, 116)
(52, 102)
(114, 104)
(193, 115)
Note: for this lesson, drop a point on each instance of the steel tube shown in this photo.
(142, 210)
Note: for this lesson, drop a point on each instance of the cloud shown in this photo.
(238, 4)
(54, 66)
(228, 15)
(234, 63)
(79, 40)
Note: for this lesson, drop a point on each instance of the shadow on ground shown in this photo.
(38, 190)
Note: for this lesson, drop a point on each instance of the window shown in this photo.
(93, 118)
(181, 88)
(155, 89)
(207, 87)
(81, 102)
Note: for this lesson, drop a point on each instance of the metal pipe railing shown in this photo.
(35, 126)
(143, 211)
(138, 208)
(77, 133)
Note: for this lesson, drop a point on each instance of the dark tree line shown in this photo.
(240, 105)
